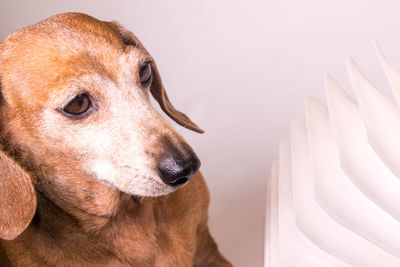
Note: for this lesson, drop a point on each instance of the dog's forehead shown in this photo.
(77, 26)
(36, 60)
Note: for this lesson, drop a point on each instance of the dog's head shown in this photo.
(76, 120)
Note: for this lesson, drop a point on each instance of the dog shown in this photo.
(90, 173)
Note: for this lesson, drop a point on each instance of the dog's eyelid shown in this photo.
(148, 61)
(74, 94)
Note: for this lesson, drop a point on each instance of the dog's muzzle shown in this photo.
(176, 170)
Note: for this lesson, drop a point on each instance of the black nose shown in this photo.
(176, 171)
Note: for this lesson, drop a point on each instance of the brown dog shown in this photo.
(90, 174)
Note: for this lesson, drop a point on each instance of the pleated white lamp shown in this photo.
(333, 195)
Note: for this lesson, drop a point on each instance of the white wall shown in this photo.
(241, 69)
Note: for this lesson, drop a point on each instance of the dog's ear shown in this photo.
(158, 92)
(157, 89)
(17, 196)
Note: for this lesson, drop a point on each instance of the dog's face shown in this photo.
(75, 97)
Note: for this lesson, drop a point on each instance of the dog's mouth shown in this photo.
(178, 182)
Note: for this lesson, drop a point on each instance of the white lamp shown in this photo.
(334, 194)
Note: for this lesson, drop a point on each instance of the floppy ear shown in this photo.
(157, 89)
(17, 195)
(17, 198)
(158, 92)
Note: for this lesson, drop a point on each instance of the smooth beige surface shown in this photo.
(241, 70)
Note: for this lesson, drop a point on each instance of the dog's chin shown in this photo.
(155, 193)
(150, 189)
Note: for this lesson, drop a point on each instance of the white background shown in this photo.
(241, 69)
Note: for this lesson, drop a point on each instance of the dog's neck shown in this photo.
(53, 225)
(94, 238)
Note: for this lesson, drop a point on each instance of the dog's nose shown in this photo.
(176, 171)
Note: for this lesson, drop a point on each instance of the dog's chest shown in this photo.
(160, 234)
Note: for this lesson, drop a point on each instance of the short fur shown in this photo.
(87, 192)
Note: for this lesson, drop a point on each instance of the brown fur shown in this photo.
(52, 213)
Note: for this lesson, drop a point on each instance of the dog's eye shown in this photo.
(79, 105)
(145, 75)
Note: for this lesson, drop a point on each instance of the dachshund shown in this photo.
(90, 173)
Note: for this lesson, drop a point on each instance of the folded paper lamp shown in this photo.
(333, 195)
